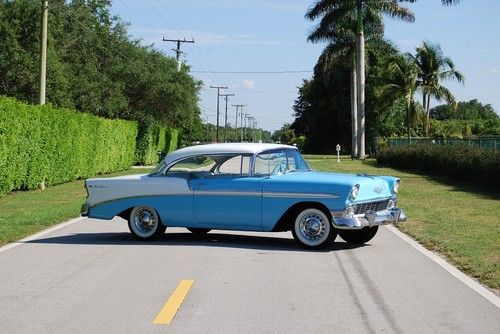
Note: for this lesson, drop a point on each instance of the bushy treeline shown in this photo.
(54, 145)
(93, 66)
(459, 162)
(154, 141)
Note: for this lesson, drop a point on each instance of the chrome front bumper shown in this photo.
(390, 216)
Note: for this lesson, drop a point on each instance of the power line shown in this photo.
(185, 30)
(178, 49)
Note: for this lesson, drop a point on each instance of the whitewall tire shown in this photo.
(313, 229)
(145, 224)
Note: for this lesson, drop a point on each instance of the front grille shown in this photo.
(372, 206)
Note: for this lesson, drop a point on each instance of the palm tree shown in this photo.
(341, 50)
(434, 67)
(333, 14)
(402, 83)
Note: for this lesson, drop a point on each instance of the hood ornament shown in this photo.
(378, 190)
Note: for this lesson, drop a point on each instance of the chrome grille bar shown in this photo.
(363, 208)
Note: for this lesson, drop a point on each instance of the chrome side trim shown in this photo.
(298, 195)
(227, 193)
(265, 194)
(132, 197)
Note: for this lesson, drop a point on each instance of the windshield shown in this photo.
(158, 169)
(279, 162)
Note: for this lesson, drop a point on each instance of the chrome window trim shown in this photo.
(167, 167)
(254, 158)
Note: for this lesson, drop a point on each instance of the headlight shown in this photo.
(355, 191)
(395, 187)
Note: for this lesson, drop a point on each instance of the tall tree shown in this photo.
(93, 66)
(402, 83)
(333, 14)
(433, 68)
(342, 50)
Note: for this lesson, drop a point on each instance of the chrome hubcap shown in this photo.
(144, 220)
(312, 226)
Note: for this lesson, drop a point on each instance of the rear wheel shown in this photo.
(359, 236)
(312, 229)
(199, 231)
(145, 224)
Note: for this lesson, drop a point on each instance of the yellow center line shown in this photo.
(173, 303)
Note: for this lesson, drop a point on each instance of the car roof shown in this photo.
(223, 148)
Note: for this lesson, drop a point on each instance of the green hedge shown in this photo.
(153, 138)
(457, 161)
(59, 145)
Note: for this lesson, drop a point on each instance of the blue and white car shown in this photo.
(247, 187)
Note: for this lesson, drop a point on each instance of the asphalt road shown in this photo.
(91, 277)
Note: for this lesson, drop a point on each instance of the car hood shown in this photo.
(371, 187)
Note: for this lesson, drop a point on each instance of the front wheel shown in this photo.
(312, 229)
(145, 224)
(359, 236)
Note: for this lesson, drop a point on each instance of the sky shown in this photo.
(270, 36)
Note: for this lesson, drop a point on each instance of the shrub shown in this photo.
(460, 162)
(43, 143)
(154, 138)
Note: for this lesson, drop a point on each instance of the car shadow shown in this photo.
(188, 239)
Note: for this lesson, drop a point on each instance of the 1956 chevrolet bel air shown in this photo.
(247, 187)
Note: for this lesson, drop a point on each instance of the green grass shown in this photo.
(458, 220)
(26, 212)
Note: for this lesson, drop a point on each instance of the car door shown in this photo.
(229, 198)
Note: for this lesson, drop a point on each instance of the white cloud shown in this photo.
(248, 84)
(494, 70)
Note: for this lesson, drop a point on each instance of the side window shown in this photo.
(262, 166)
(192, 168)
(237, 165)
(273, 162)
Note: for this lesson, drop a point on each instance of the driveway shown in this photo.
(92, 277)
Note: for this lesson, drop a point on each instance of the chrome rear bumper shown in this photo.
(390, 216)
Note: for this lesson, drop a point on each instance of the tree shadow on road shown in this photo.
(271, 243)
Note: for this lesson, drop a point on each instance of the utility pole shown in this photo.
(245, 127)
(178, 51)
(236, 126)
(43, 51)
(218, 95)
(250, 119)
(254, 132)
(241, 122)
(226, 97)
